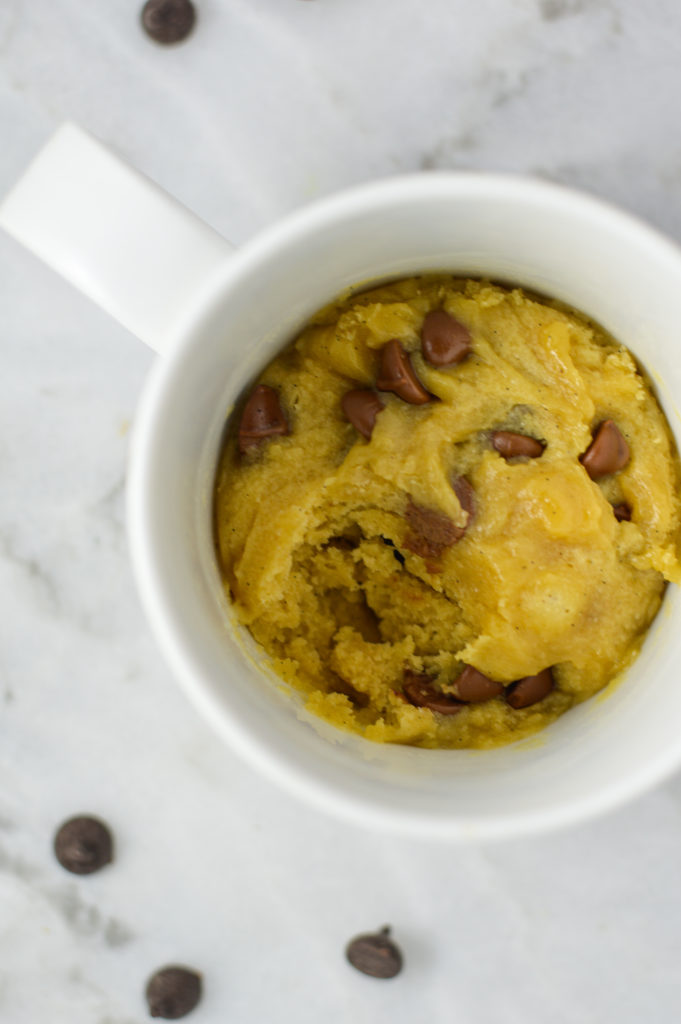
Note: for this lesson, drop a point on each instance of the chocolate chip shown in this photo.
(607, 453)
(419, 690)
(375, 954)
(430, 532)
(262, 417)
(361, 407)
(512, 445)
(530, 690)
(444, 340)
(473, 687)
(397, 374)
(466, 495)
(173, 992)
(168, 21)
(622, 513)
(83, 845)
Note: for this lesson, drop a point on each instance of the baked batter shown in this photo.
(448, 511)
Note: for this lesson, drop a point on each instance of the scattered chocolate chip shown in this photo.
(397, 374)
(83, 845)
(375, 954)
(430, 532)
(173, 992)
(607, 453)
(512, 445)
(530, 690)
(444, 340)
(622, 513)
(472, 687)
(362, 407)
(419, 690)
(262, 417)
(168, 21)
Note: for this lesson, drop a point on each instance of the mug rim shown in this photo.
(180, 655)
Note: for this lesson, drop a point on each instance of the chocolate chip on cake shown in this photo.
(472, 687)
(375, 954)
(168, 21)
(622, 512)
(419, 690)
(430, 532)
(463, 489)
(607, 453)
(361, 407)
(262, 418)
(444, 340)
(397, 374)
(530, 690)
(83, 845)
(511, 445)
(173, 992)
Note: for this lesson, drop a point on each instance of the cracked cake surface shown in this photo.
(448, 512)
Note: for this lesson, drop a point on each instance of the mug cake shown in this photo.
(448, 512)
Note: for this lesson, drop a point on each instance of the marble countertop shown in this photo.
(269, 104)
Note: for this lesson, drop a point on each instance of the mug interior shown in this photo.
(542, 237)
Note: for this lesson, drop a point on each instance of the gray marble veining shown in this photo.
(270, 104)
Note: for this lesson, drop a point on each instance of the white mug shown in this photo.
(218, 316)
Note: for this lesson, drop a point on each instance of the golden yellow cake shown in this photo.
(448, 512)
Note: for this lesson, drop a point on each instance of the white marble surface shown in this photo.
(271, 103)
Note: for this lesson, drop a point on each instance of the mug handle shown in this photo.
(109, 230)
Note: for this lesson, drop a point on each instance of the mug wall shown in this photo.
(543, 238)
